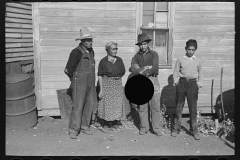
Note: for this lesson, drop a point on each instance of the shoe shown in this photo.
(73, 136)
(174, 134)
(159, 133)
(105, 129)
(196, 136)
(88, 132)
(142, 132)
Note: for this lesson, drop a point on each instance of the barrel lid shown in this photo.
(16, 77)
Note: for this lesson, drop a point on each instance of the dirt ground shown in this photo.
(50, 138)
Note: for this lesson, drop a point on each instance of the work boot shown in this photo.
(88, 132)
(73, 136)
(142, 132)
(105, 129)
(196, 136)
(158, 133)
(174, 134)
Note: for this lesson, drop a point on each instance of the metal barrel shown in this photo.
(21, 110)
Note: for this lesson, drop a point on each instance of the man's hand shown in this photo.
(199, 85)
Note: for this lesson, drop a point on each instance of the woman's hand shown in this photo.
(100, 95)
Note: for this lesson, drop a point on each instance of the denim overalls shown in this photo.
(83, 88)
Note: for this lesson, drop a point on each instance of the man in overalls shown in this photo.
(80, 69)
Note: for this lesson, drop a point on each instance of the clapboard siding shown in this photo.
(88, 13)
(94, 28)
(18, 32)
(212, 24)
(59, 25)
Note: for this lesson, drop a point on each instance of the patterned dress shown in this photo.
(111, 105)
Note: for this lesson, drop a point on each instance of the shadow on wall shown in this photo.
(168, 95)
(228, 104)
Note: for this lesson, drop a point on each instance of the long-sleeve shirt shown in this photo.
(73, 61)
(139, 61)
(188, 68)
(109, 69)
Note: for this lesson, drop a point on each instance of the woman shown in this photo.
(110, 71)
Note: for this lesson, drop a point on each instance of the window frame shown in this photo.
(171, 12)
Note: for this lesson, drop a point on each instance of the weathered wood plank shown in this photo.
(15, 15)
(20, 54)
(96, 43)
(49, 112)
(72, 5)
(205, 21)
(18, 10)
(99, 36)
(209, 36)
(18, 35)
(27, 3)
(37, 57)
(125, 57)
(13, 40)
(19, 5)
(12, 45)
(206, 56)
(18, 25)
(16, 20)
(205, 14)
(19, 59)
(204, 28)
(93, 28)
(85, 13)
(121, 6)
(214, 63)
(207, 43)
(66, 50)
(62, 63)
(205, 6)
(30, 49)
(14, 30)
(218, 49)
(90, 5)
(87, 21)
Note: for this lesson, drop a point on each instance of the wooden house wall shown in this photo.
(212, 25)
(57, 26)
(18, 32)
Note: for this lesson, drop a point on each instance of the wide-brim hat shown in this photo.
(143, 38)
(85, 34)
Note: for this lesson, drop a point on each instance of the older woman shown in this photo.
(110, 71)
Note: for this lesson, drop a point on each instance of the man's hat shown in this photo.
(84, 34)
(143, 38)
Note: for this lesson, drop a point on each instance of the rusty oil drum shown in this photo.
(20, 102)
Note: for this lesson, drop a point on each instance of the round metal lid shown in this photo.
(14, 77)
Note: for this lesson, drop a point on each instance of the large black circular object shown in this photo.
(139, 89)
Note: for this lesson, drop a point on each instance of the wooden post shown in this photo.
(37, 57)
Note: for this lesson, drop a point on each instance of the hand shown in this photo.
(100, 95)
(199, 85)
(175, 83)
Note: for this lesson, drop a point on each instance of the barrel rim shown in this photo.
(17, 80)
(21, 113)
(21, 97)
